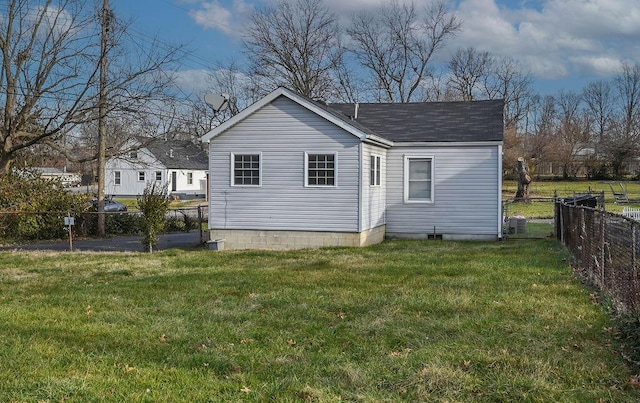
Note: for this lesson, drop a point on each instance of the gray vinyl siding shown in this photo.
(373, 197)
(465, 191)
(282, 132)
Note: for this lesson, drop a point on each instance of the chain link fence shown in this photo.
(606, 248)
(23, 225)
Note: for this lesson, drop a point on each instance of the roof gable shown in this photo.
(336, 117)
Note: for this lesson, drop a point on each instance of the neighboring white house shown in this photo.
(66, 178)
(289, 172)
(180, 164)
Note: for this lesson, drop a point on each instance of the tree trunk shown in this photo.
(523, 180)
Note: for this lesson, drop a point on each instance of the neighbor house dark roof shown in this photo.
(466, 121)
(179, 154)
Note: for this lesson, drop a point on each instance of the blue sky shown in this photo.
(564, 43)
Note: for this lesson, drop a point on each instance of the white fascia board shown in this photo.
(448, 144)
(378, 141)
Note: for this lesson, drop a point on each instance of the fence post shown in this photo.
(200, 223)
(602, 252)
(634, 264)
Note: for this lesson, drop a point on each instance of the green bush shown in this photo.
(175, 224)
(33, 207)
(153, 204)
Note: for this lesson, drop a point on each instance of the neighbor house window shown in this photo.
(321, 169)
(189, 178)
(158, 176)
(374, 170)
(117, 178)
(133, 155)
(418, 179)
(245, 169)
(141, 176)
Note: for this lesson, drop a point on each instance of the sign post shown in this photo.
(69, 223)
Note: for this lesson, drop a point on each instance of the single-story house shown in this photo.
(291, 172)
(180, 164)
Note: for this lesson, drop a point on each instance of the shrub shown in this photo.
(153, 204)
(34, 207)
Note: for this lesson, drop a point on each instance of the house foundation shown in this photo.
(281, 240)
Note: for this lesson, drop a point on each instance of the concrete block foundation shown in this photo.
(267, 239)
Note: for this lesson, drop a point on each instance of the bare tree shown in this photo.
(509, 81)
(544, 117)
(243, 88)
(468, 68)
(623, 139)
(396, 44)
(50, 52)
(571, 134)
(598, 97)
(295, 44)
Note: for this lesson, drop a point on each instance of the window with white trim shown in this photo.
(158, 176)
(141, 176)
(117, 178)
(374, 170)
(418, 179)
(320, 169)
(189, 178)
(245, 169)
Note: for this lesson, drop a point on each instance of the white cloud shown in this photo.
(555, 38)
(194, 81)
(601, 65)
(229, 19)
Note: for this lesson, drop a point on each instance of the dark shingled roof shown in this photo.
(179, 154)
(466, 121)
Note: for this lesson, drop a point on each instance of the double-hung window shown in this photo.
(374, 170)
(418, 179)
(158, 176)
(189, 178)
(117, 178)
(245, 169)
(141, 176)
(320, 169)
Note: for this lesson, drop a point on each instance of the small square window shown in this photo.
(245, 169)
(321, 170)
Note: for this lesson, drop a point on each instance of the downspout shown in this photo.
(360, 190)
(499, 191)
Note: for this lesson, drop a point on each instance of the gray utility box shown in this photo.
(216, 244)
(517, 225)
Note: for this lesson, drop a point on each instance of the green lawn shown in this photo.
(400, 321)
(542, 189)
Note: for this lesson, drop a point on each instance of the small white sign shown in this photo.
(69, 221)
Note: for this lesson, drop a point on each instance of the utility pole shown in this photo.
(102, 112)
